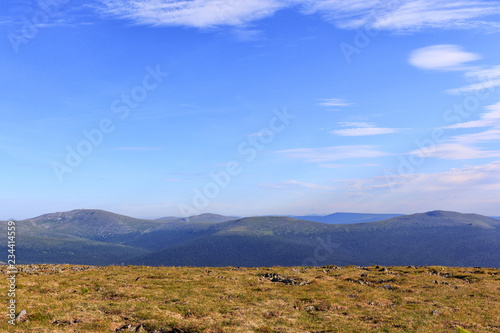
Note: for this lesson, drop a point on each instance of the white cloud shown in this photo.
(465, 146)
(349, 14)
(362, 129)
(485, 73)
(419, 14)
(340, 166)
(455, 151)
(405, 14)
(467, 179)
(487, 119)
(441, 57)
(488, 79)
(470, 189)
(475, 87)
(327, 154)
(488, 135)
(355, 124)
(334, 102)
(293, 184)
(247, 34)
(195, 13)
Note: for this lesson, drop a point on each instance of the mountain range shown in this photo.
(97, 237)
(346, 218)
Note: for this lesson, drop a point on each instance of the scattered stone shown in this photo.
(435, 312)
(66, 322)
(51, 269)
(131, 328)
(383, 270)
(128, 327)
(359, 281)
(388, 287)
(274, 277)
(22, 316)
(310, 308)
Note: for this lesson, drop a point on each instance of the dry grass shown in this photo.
(63, 298)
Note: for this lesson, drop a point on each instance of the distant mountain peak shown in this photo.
(445, 218)
(208, 215)
(439, 213)
(347, 218)
(90, 223)
(208, 218)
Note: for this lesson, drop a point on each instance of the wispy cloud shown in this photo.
(327, 154)
(137, 148)
(293, 184)
(340, 166)
(6, 22)
(247, 34)
(466, 189)
(484, 73)
(485, 136)
(362, 129)
(475, 87)
(334, 102)
(454, 58)
(442, 57)
(406, 14)
(485, 78)
(348, 14)
(489, 118)
(466, 146)
(195, 13)
(455, 151)
(414, 15)
(472, 178)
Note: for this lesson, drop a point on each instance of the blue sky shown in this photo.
(255, 107)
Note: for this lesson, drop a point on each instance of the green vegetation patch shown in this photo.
(63, 298)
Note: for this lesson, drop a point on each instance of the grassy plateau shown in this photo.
(69, 298)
